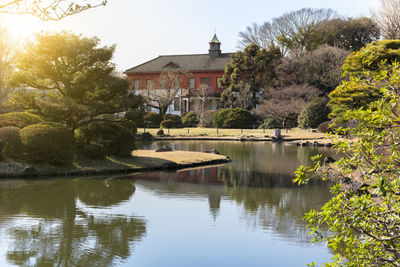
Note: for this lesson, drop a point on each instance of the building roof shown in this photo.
(215, 40)
(197, 62)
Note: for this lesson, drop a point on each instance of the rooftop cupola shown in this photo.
(215, 47)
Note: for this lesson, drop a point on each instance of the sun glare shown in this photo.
(20, 27)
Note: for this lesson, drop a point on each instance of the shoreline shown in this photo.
(317, 141)
(130, 165)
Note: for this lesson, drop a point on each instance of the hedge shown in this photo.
(19, 119)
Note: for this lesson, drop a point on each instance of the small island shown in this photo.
(140, 161)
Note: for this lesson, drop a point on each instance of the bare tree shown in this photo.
(288, 26)
(388, 18)
(243, 96)
(285, 104)
(48, 9)
(202, 99)
(161, 94)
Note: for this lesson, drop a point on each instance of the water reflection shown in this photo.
(45, 227)
(123, 220)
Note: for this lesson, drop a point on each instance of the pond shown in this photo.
(246, 213)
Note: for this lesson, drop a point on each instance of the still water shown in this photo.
(246, 213)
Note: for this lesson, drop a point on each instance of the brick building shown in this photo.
(201, 71)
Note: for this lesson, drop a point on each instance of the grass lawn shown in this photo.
(212, 132)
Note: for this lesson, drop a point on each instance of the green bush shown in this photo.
(48, 143)
(270, 123)
(190, 119)
(167, 124)
(19, 119)
(314, 113)
(219, 117)
(233, 118)
(152, 119)
(11, 142)
(99, 139)
(176, 120)
(136, 116)
(131, 126)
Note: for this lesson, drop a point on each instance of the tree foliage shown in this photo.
(362, 219)
(69, 79)
(48, 9)
(359, 88)
(252, 68)
(350, 34)
(321, 68)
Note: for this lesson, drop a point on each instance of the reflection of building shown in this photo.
(202, 70)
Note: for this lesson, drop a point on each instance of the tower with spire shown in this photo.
(215, 47)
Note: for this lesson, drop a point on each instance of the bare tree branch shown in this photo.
(388, 18)
(48, 9)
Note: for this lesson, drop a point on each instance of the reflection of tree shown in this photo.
(103, 192)
(59, 233)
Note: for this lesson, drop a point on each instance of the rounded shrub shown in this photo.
(190, 119)
(99, 139)
(131, 126)
(152, 119)
(176, 120)
(11, 141)
(238, 118)
(233, 118)
(220, 117)
(48, 143)
(135, 116)
(315, 113)
(19, 119)
(167, 124)
(270, 123)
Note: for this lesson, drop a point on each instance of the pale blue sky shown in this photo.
(142, 30)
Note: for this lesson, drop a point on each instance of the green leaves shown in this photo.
(249, 69)
(361, 223)
(70, 78)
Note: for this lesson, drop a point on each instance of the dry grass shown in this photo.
(212, 132)
(178, 157)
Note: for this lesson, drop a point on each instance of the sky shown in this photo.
(143, 30)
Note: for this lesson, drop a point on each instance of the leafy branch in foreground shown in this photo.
(361, 223)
